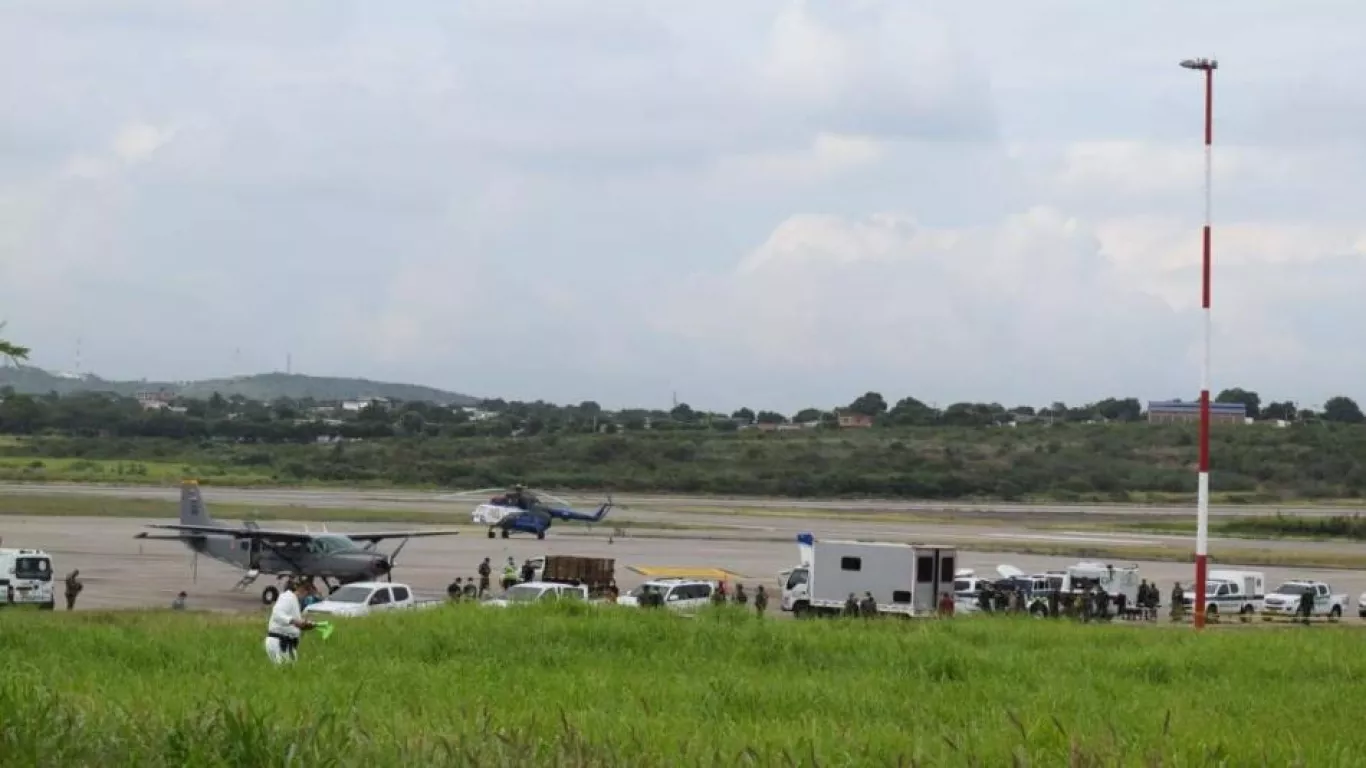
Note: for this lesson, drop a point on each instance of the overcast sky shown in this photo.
(768, 203)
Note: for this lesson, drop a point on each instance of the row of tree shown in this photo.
(93, 414)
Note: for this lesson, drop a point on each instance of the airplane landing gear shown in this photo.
(269, 595)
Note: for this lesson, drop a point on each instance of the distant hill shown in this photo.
(261, 386)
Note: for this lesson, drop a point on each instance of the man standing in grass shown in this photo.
(287, 623)
(760, 601)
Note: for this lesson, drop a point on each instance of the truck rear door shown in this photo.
(934, 572)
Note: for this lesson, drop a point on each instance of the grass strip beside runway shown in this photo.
(583, 685)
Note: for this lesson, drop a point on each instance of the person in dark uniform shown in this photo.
(485, 573)
(456, 589)
(868, 606)
(1307, 605)
(73, 589)
(740, 597)
(471, 591)
(984, 598)
(760, 601)
(528, 570)
(1053, 603)
(1178, 602)
(851, 605)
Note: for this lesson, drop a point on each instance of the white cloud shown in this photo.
(578, 200)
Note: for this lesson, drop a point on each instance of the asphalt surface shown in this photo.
(121, 572)
(401, 499)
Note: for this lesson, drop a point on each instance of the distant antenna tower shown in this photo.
(78, 370)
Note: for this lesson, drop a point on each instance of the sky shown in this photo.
(774, 204)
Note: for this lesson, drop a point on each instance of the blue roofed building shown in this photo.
(1179, 411)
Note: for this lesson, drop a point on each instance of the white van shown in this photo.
(26, 575)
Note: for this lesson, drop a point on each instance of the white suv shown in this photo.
(677, 594)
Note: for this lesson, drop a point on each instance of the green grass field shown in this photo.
(580, 685)
(47, 469)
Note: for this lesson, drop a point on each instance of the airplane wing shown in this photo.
(382, 535)
(264, 534)
(240, 533)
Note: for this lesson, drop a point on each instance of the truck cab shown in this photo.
(26, 576)
(793, 585)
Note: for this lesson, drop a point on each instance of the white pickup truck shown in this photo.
(539, 591)
(363, 598)
(1285, 600)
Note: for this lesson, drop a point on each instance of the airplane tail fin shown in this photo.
(192, 511)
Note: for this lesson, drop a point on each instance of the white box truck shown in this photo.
(26, 578)
(904, 579)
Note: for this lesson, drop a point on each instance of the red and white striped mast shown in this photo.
(1202, 502)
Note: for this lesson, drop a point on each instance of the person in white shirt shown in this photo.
(287, 623)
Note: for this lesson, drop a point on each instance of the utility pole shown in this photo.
(1202, 499)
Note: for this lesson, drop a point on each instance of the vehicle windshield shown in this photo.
(798, 576)
(33, 568)
(1293, 589)
(350, 595)
(1212, 587)
(961, 585)
(522, 593)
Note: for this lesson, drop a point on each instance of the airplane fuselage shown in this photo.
(249, 555)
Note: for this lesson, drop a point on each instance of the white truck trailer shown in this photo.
(904, 579)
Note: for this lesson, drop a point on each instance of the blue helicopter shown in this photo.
(520, 510)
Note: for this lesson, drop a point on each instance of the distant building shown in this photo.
(158, 399)
(361, 403)
(855, 420)
(1178, 411)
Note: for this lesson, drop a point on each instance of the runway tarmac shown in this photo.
(340, 498)
(121, 572)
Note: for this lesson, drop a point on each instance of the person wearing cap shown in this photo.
(287, 623)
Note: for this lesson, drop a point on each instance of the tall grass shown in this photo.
(579, 685)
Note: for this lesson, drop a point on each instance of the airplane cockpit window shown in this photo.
(331, 544)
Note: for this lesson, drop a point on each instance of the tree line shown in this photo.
(94, 414)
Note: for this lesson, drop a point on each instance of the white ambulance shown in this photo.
(26, 576)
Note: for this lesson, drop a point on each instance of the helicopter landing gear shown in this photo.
(491, 534)
(540, 534)
(506, 533)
